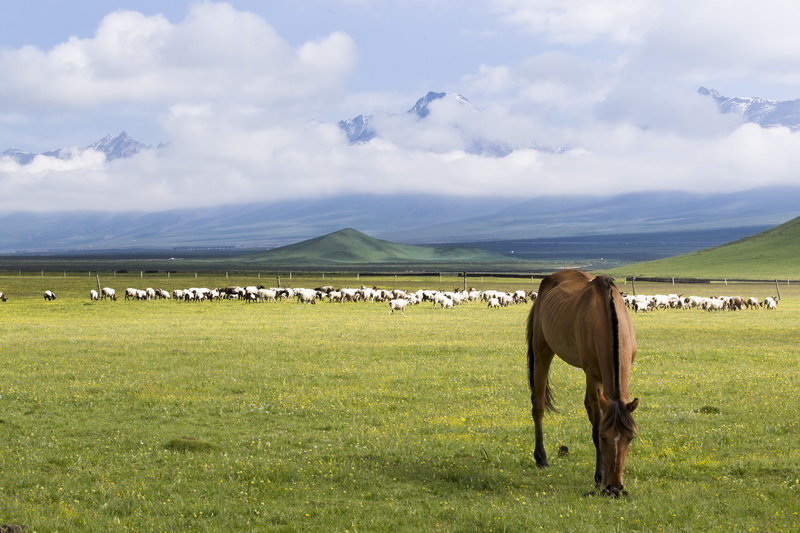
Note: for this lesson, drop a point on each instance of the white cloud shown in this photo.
(615, 83)
(580, 21)
(216, 53)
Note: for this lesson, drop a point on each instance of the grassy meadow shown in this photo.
(228, 416)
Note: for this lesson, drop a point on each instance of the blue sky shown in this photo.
(247, 94)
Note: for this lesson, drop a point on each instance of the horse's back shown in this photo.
(553, 318)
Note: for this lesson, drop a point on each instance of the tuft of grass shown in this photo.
(189, 444)
(708, 410)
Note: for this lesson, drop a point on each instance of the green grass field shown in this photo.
(227, 416)
(772, 254)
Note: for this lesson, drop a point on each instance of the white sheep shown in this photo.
(108, 292)
(398, 304)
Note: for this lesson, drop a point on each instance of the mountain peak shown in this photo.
(119, 146)
(766, 113)
(421, 108)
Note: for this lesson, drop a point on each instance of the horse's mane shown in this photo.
(618, 417)
(608, 287)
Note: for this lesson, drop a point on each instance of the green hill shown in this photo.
(350, 247)
(772, 254)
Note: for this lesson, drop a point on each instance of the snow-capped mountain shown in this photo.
(119, 147)
(764, 112)
(364, 128)
(113, 146)
(422, 107)
(358, 129)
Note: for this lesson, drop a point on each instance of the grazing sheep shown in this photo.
(493, 302)
(3, 297)
(398, 304)
(49, 296)
(108, 292)
(443, 301)
(770, 303)
(307, 296)
(267, 295)
(94, 295)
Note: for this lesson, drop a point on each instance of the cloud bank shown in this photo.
(609, 81)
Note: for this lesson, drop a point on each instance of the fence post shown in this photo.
(633, 284)
(777, 289)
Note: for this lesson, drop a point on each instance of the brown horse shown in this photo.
(583, 319)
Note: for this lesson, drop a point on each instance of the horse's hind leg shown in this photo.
(543, 356)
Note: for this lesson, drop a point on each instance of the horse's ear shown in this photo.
(602, 399)
(632, 405)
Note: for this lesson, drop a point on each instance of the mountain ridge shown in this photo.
(762, 111)
(114, 147)
(418, 219)
(349, 246)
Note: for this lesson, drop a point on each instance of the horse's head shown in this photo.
(616, 431)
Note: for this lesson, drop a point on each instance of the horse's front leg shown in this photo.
(594, 413)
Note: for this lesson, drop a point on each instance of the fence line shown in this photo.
(357, 275)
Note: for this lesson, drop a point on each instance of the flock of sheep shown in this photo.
(399, 300)
(641, 302)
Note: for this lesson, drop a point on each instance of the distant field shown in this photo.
(228, 416)
(772, 254)
(599, 252)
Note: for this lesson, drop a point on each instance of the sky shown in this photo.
(594, 97)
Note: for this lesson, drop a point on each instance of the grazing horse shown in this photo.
(583, 319)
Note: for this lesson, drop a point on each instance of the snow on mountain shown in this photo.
(764, 112)
(364, 128)
(422, 107)
(113, 146)
(119, 147)
(21, 158)
(358, 129)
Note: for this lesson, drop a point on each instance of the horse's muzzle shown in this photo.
(614, 492)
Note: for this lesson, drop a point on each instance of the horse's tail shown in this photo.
(548, 403)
